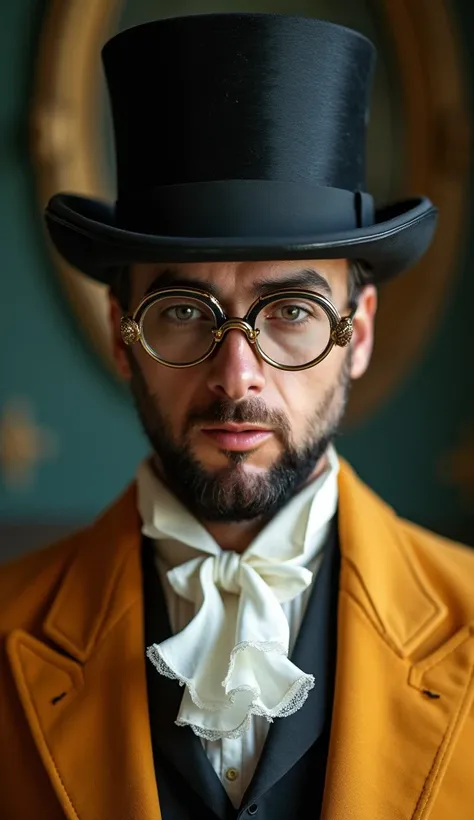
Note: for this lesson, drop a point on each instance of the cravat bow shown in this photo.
(241, 668)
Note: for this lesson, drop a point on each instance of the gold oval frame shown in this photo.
(64, 117)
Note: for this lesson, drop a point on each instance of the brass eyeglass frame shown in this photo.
(341, 327)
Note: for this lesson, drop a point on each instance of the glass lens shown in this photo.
(293, 331)
(178, 329)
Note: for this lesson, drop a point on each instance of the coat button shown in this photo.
(252, 809)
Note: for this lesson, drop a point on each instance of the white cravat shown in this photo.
(232, 656)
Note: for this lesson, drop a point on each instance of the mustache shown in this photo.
(249, 411)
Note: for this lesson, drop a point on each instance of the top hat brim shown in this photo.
(86, 234)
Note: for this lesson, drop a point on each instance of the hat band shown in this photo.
(250, 208)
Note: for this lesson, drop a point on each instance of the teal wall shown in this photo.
(45, 359)
(44, 356)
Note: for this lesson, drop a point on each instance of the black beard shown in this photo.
(229, 494)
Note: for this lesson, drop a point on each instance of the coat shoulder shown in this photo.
(449, 562)
(366, 519)
(28, 583)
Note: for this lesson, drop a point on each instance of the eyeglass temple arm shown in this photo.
(353, 305)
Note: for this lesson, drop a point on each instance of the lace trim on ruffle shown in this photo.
(292, 701)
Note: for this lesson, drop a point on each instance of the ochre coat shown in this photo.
(74, 732)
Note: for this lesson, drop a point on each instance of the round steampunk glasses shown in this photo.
(290, 329)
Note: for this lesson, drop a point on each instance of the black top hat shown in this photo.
(239, 136)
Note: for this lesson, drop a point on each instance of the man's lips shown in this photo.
(236, 437)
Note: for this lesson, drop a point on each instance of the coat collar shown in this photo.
(381, 572)
(396, 641)
(96, 590)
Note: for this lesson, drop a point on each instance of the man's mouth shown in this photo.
(237, 437)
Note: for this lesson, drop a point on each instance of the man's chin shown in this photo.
(235, 463)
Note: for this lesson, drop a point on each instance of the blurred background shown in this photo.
(69, 439)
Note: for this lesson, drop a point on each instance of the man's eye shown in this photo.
(183, 313)
(290, 313)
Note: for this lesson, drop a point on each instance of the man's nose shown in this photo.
(236, 369)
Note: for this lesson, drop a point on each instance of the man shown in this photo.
(248, 630)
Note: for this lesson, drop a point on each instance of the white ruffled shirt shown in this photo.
(235, 618)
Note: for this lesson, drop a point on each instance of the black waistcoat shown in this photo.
(289, 780)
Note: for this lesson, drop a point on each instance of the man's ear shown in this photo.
(119, 349)
(363, 337)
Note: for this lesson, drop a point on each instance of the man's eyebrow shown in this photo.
(305, 278)
(171, 278)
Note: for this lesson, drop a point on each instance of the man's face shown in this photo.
(234, 437)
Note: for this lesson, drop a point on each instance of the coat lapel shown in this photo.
(404, 671)
(83, 689)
